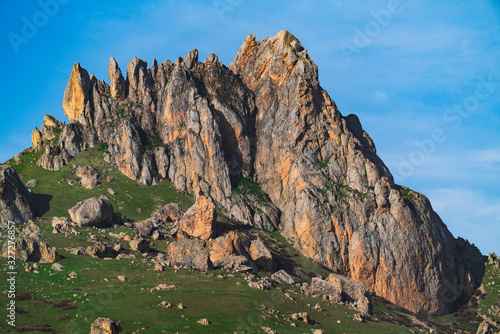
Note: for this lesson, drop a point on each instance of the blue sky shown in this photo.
(423, 77)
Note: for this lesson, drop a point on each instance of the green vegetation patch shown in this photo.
(53, 196)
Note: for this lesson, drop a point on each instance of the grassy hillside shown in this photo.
(50, 301)
(54, 197)
(70, 305)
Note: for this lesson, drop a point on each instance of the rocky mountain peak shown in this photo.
(266, 144)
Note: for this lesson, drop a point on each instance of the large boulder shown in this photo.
(169, 213)
(15, 200)
(95, 211)
(139, 244)
(224, 247)
(199, 220)
(260, 255)
(283, 277)
(143, 229)
(30, 231)
(64, 225)
(105, 326)
(338, 288)
(101, 250)
(31, 250)
(189, 254)
(227, 252)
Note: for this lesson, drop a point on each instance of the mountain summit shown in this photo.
(267, 144)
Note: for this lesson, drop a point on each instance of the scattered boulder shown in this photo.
(174, 211)
(30, 231)
(301, 316)
(143, 229)
(105, 326)
(18, 158)
(31, 250)
(199, 220)
(101, 250)
(188, 253)
(110, 179)
(225, 246)
(57, 267)
(139, 244)
(111, 191)
(31, 183)
(90, 177)
(64, 225)
(166, 304)
(73, 182)
(163, 287)
(338, 288)
(169, 213)
(283, 277)
(120, 235)
(261, 255)
(204, 321)
(261, 284)
(95, 211)
(238, 263)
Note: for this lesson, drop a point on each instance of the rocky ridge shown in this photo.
(263, 141)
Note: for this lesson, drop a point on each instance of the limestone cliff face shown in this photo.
(15, 200)
(266, 143)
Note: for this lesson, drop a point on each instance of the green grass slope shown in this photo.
(53, 199)
(51, 301)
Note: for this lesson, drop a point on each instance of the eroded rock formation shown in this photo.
(267, 144)
(15, 200)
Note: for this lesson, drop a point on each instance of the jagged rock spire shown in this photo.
(117, 82)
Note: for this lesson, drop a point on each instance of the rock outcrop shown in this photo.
(77, 94)
(36, 137)
(117, 83)
(105, 326)
(64, 225)
(268, 145)
(31, 250)
(199, 220)
(341, 289)
(261, 255)
(15, 200)
(95, 211)
(339, 202)
(90, 176)
(189, 254)
(225, 246)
